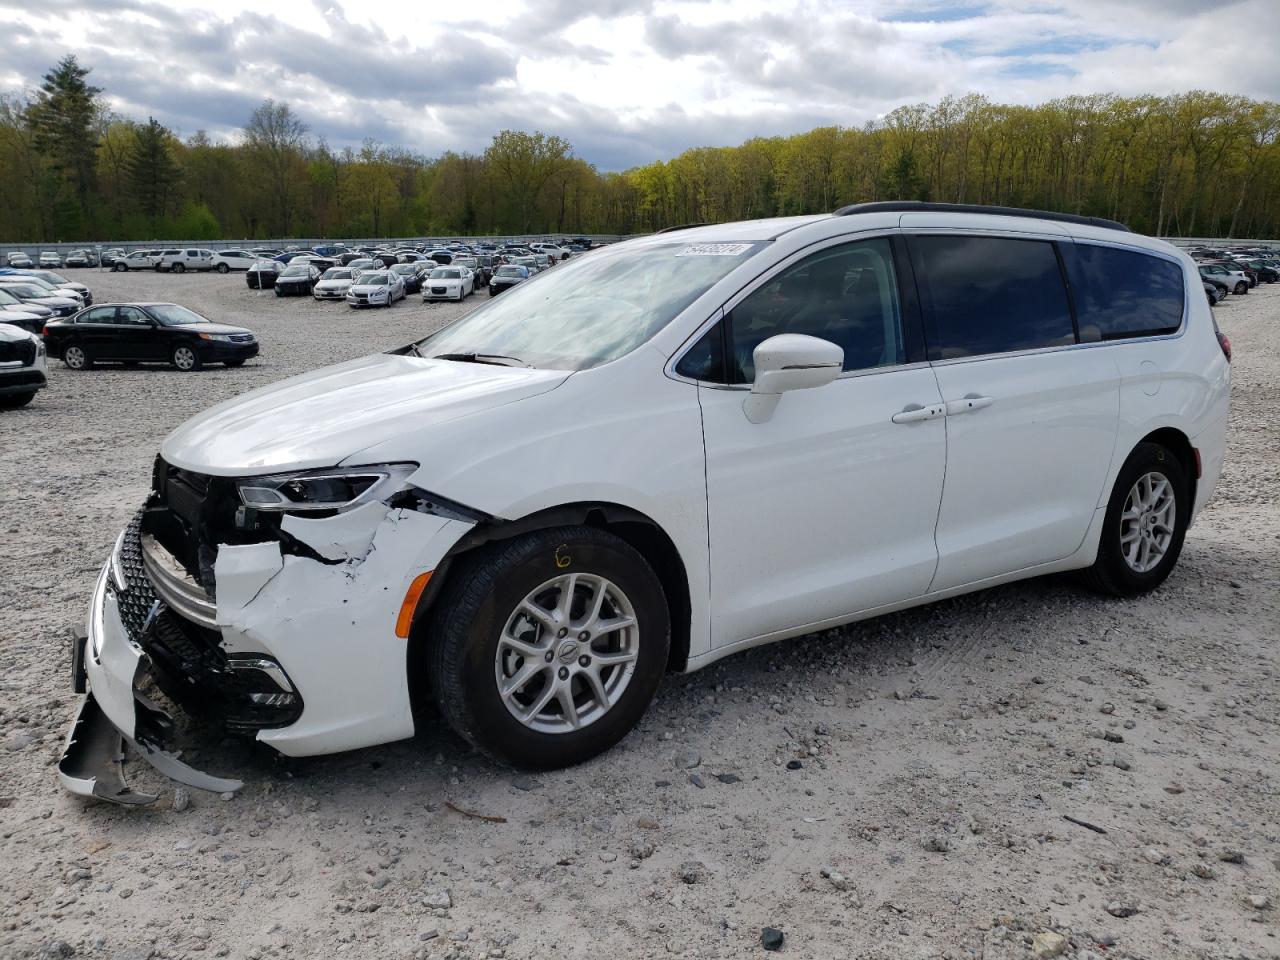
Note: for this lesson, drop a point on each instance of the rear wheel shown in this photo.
(223, 268)
(547, 648)
(178, 268)
(119, 267)
(1145, 523)
(1241, 288)
(185, 358)
(77, 357)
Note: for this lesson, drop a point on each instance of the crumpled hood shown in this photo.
(327, 416)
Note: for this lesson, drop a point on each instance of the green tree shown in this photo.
(62, 121)
(152, 171)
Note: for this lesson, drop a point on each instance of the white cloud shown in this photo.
(627, 81)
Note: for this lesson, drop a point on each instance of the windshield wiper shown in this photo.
(496, 359)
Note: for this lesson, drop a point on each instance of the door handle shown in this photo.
(968, 404)
(914, 413)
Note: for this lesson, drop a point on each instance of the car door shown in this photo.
(827, 508)
(1032, 413)
(94, 330)
(140, 337)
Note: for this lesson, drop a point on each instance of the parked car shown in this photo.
(138, 332)
(31, 290)
(49, 260)
(333, 284)
(297, 280)
(506, 277)
(1265, 272)
(441, 256)
(530, 263)
(363, 264)
(136, 260)
(556, 252)
(262, 275)
(411, 275)
(57, 282)
(531, 515)
(1235, 279)
(111, 255)
(29, 316)
(79, 258)
(224, 261)
(18, 259)
(448, 283)
(1213, 293)
(23, 365)
(480, 276)
(192, 258)
(374, 288)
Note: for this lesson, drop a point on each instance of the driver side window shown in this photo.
(846, 294)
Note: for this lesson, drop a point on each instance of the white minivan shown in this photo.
(647, 459)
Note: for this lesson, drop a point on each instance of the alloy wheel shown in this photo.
(184, 358)
(74, 358)
(567, 653)
(1147, 522)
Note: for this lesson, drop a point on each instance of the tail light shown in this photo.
(44, 331)
(1225, 343)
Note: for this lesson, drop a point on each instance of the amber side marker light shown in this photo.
(411, 598)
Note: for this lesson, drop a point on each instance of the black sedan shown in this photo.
(262, 275)
(297, 280)
(507, 276)
(137, 332)
(412, 274)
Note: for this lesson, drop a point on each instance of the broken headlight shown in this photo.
(340, 488)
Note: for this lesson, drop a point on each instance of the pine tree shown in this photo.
(61, 121)
(151, 169)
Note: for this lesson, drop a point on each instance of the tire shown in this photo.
(1241, 288)
(1113, 572)
(178, 268)
(120, 267)
(11, 401)
(76, 357)
(185, 358)
(223, 268)
(233, 363)
(482, 598)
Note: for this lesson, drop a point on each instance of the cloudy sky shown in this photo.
(626, 81)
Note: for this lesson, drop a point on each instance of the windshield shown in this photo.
(296, 270)
(446, 274)
(373, 280)
(336, 274)
(172, 315)
(25, 290)
(404, 269)
(8, 298)
(510, 272)
(593, 310)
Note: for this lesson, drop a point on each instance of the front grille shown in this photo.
(187, 659)
(439, 291)
(22, 351)
(241, 337)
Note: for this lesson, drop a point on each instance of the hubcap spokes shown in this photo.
(1147, 522)
(567, 653)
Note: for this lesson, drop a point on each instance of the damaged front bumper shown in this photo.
(114, 712)
(296, 644)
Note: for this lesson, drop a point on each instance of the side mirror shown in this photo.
(789, 361)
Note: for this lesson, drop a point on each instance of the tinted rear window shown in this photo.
(992, 295)
(1123, 293)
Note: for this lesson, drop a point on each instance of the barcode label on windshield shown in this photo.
(714, 250)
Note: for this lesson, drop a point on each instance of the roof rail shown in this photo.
(921, 206)
(683, 226)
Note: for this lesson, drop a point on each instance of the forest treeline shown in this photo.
(1192, 164)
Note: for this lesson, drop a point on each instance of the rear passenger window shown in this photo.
(1123, 293)
(992, 295)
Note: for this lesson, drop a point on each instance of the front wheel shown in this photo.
(185, 358)
(546, 649)
(120, 267)
(1145, 523)
(1241, 288)
(11, 401)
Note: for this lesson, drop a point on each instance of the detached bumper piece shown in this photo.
(92, 761)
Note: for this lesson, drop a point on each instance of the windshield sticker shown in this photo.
(714, 250)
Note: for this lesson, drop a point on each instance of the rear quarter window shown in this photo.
(1120, 294)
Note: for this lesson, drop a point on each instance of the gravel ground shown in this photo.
(894, 789)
